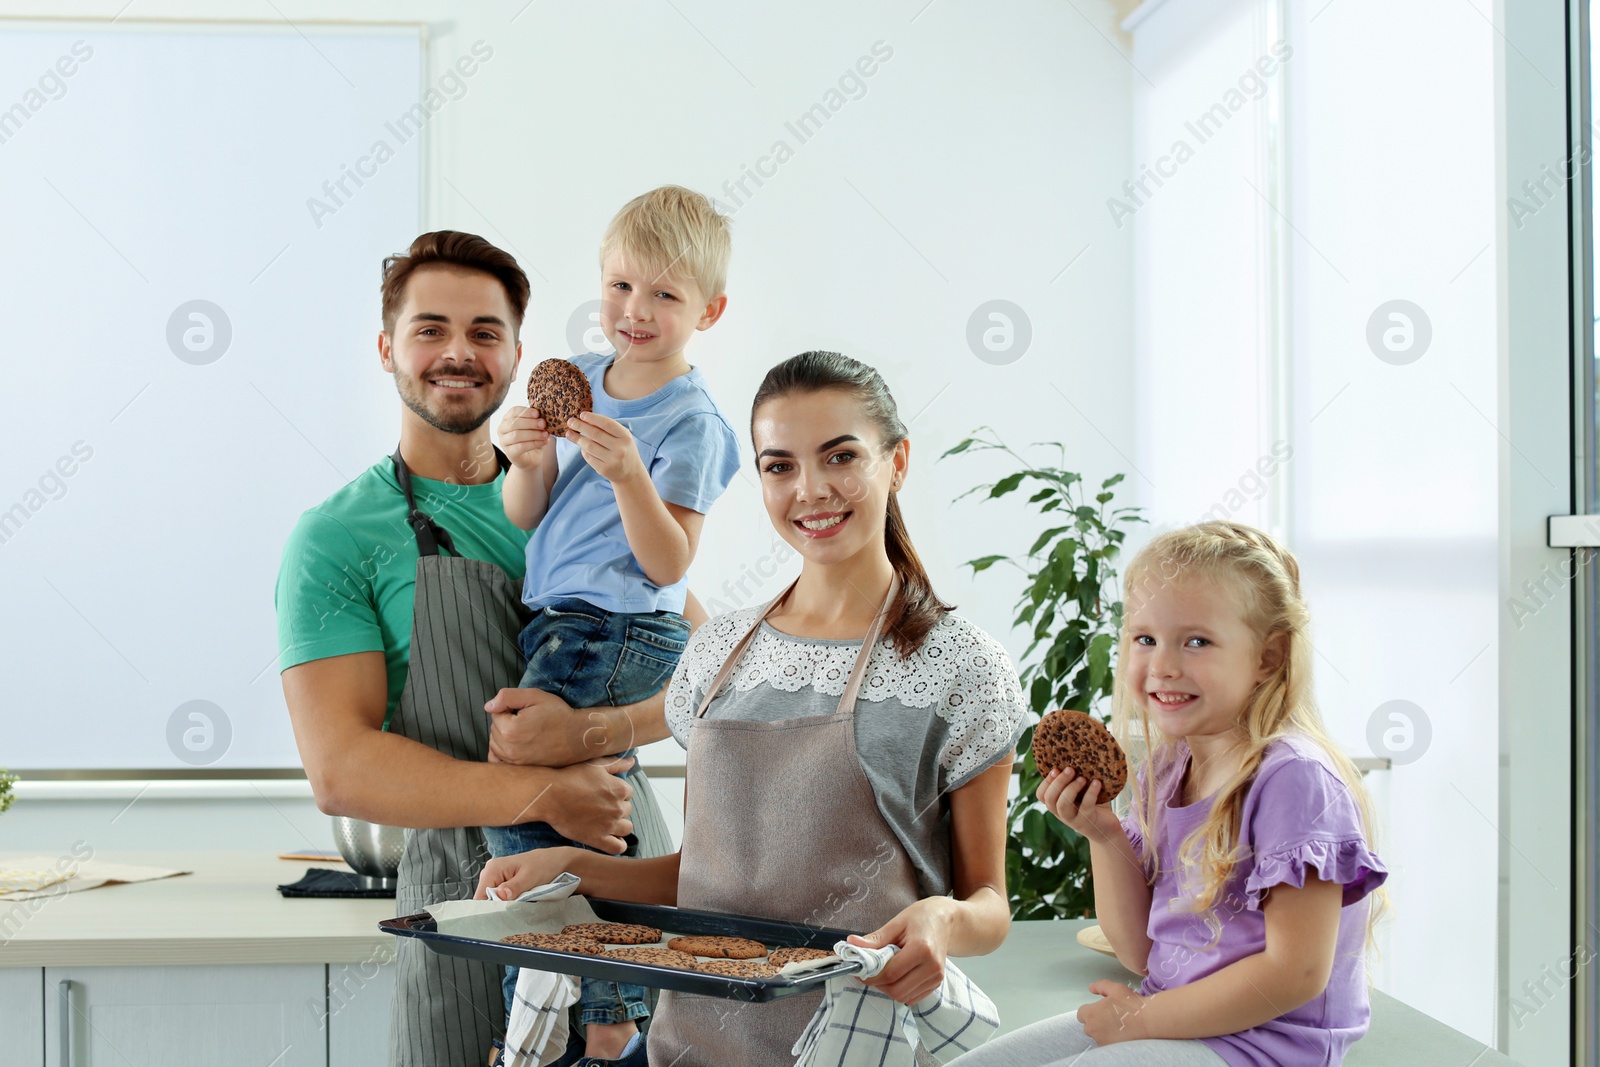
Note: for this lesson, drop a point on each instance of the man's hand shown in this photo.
(523, 437)
(607, 446)
(587, 802)
(1117, 1016)
(534, 728)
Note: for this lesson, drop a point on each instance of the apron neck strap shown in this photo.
(847, 701)
(430, 535)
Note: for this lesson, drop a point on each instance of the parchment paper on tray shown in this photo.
(491, 920)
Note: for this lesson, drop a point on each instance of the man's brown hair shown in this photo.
(461, 251)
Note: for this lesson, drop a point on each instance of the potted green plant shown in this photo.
(1071, 604)
(6, 795)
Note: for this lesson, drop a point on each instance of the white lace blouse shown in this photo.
(925, 725)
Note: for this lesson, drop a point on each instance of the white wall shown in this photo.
(1364, 175)
(968, 170)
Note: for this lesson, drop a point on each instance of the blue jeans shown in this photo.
(592, 658)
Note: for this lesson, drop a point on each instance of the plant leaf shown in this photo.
(1006, 484)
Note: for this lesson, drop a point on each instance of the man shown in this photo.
(398, 611)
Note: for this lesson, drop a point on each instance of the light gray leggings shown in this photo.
(1061, 1042)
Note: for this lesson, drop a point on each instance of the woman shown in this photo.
(849, 744)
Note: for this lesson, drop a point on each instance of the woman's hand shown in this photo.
(1117, 1016)
(514, 875)
(523, 437)
(1064, 794)
(922, 931)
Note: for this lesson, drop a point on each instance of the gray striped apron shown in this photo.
(780, 822)
(464, 626)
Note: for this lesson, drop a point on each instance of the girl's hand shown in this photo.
(514, 875)
(523, 437)
(1117, 1016)
(922, 931)
(607, 446)
(1064, 794)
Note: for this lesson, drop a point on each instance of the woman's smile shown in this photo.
(822, 523)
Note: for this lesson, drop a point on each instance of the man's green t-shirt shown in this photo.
(349, 571)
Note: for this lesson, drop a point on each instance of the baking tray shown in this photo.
(672, 922)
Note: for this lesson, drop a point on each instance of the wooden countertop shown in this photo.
(229, 912)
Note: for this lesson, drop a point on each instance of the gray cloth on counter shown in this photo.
(925, 725)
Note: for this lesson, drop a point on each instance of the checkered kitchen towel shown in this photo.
(857, 1025)
(536, 1032)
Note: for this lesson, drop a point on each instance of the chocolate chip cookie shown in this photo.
(737, 968)
(659, 957)
(614, 933)
(559, 390)
(781, 956)
(558, 943)
(722, 948)
(1073, 739)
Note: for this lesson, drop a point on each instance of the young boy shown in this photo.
(617, 505)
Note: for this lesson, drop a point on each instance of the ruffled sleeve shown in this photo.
(983, 709)
(1301, 817)
(1347, 862)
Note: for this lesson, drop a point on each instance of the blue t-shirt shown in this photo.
(579, 549)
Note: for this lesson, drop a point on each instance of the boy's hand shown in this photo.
(514, 875)
(1065, 794)
(523, 437)
(607, 446)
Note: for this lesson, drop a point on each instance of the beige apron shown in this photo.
(780, 822)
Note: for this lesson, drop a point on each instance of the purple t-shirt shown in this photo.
(1298, 815)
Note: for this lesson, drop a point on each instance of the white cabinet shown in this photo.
(358, 1013)
(274, 1015)
(22, 1017)
(200, 1016)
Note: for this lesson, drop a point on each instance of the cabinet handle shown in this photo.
(64, 1010)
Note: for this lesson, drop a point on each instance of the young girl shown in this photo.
(1238, 883)
(849, 744)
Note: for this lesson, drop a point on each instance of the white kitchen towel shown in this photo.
(536, 1033)
(856, 1025)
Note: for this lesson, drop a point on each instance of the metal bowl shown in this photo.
(369, 848)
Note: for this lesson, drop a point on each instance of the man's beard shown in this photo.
(413, 392)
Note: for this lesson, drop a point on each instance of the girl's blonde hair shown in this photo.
(1264, 579)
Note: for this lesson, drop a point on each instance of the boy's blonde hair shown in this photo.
(1264, 579)
(673, 231)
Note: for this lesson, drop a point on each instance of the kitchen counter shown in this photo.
(229, 913)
